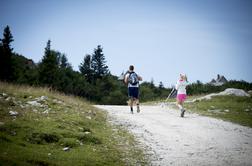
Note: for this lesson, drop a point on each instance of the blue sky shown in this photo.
(161, 38)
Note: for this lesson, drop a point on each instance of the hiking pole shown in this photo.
(171, 94)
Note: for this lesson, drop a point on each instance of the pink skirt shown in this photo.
(181, 97)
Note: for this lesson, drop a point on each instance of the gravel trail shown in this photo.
(192, 140)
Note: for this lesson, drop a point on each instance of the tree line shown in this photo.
(93, 81)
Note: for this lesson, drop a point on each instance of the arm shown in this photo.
(140, 78)
(126, 77)
(177, 85)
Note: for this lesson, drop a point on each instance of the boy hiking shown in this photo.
(181, 92)
(132, 81)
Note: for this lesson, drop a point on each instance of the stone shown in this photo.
(13, 113)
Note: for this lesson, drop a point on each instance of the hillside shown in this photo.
(40, 127)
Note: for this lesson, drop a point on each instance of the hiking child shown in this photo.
(131, 79)
(181, 92)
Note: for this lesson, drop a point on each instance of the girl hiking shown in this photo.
(181, 92)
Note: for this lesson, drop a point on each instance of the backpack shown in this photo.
(133, 78)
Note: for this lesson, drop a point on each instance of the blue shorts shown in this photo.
(133, 92)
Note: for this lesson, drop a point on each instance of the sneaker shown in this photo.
(182, 112)
(138, 109)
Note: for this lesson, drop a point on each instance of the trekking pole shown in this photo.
(171, 93)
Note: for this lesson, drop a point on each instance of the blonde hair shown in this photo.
(183, 76)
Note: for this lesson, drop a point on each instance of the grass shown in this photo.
(230, 108)
(38, 134)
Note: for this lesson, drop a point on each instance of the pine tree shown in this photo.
(86, 68)
(64, 62)
(48, 68)
(98, 63)
(5, 55)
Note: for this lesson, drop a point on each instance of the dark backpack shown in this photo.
(133, 78)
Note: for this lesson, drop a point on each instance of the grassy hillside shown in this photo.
(230, 108)
(39, 127)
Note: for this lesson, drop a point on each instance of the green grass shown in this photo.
(35, 137)
(230, 108)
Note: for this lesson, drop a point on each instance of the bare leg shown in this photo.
(131, 104)
(180, 105)
(138, 107)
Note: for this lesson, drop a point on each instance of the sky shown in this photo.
(161, 38)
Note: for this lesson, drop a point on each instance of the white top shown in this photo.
(181, 86)
(129, 85)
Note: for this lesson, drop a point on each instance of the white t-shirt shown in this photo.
(181, 86)
(130, 85)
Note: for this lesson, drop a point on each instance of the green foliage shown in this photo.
(24, 70)
(99, 63)
(6, 41)
(6, 70)
(49, 67)
(86, 68)
(149, 92)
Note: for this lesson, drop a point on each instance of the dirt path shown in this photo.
(193, 140)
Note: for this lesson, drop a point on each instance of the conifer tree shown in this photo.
(48, 68)
(99, 63)
(86, 68)
(64, 62)
(5, 55)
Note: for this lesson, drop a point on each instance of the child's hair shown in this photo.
(183, 76)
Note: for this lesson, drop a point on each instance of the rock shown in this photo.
(88, 117)
(66, 148)
(8, 99)
(247, 110)
(42, 98)
(22, 106)
(226, 110)
(57, 101)
(46, 111)
(13, 133)
(214, 111)
(34, 110)
(235, 92)
(4, 94)
(86, 132)
(34, 103)
(13, 113)
(228, 91)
